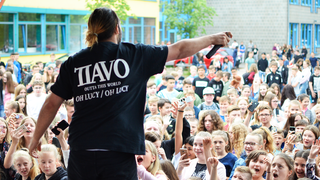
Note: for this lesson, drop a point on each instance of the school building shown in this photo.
(38, 28)
(295, 22)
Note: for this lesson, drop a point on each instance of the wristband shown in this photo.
(180, 111)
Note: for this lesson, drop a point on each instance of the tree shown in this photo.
(188, 16)
(119, 6)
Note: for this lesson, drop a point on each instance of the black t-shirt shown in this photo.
(217, 86)
(200, 84)
(262, 65)
(108, 83)
(315, 81)
(200, 171)
(296, 58)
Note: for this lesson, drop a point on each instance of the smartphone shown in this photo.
(62, 125)
(23, 127)
(292, 129)
(299, 137)
(182, 101)
(183, 151)
(253, 106)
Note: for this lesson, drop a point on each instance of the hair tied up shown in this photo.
(95, 34)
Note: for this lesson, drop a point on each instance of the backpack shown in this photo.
(246, 78)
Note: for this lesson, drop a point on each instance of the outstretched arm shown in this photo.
(188, 47)
(46, 116)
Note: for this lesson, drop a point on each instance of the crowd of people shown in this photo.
(22, 97)
(263, 124)
(214, 124)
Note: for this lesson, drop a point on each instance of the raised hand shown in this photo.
(213, 161)
(315, 148)
(184, 162)
(289, 143)
(207, 142)
(162, 153)
(268, 163)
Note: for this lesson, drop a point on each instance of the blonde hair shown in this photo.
(22, 141)
(253, 68)
(154, 167)
(225, 136)
(193, 68)
(294, 102)
(154, 119)
(266, 135)
(18, 89)
(153, 99)
(243, 99)
(205, 134)
(50, 148)
(7, 137)
(232, 91)
(245, 169)
(34, 170)
(34, 77)
(240, 132)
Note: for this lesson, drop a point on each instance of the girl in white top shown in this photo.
(149, 165)
(199, 167)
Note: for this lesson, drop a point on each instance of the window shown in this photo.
(293, 34)
(137, 35)
(29, 29)
(134, 20)
(6, 17)
(55, 37)
(29, 17)
(149, 30)
(317, 35)
(306, 33)
(6, 35)
(78, 28)
(306, 2)
(77, 19)
(317, 3)
(29, 38)
(55, 18)
(293, 1)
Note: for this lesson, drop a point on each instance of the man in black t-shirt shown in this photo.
(217, 85)
(108, 83)
(262, 66)
(200, 82)
(296, 56)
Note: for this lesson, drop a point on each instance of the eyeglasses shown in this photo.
(265, 115)
(188, 115)
(249, 143)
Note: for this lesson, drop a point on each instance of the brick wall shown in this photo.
(263, 22)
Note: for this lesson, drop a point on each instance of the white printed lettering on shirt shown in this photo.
(201, 84)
